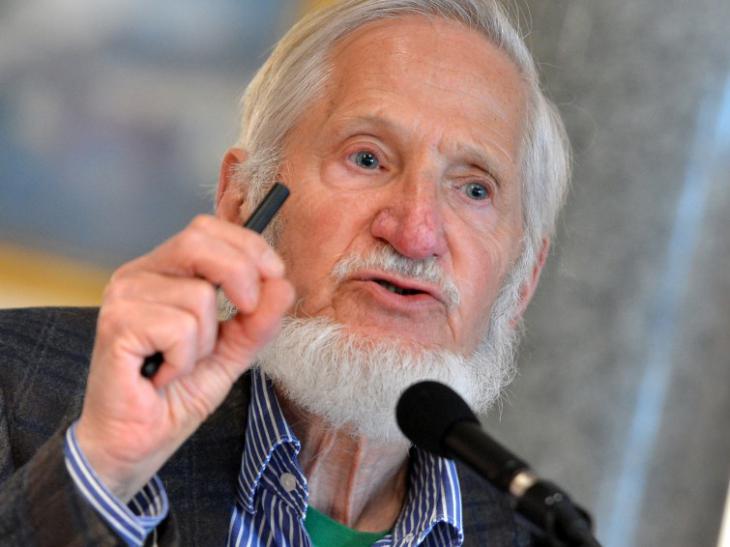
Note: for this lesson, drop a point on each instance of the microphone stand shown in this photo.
(549, 511)
(436, 419)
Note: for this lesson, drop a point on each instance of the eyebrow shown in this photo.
(346, 122)
(480, 159)
(475, 156)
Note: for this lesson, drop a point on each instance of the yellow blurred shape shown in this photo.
(34, 278)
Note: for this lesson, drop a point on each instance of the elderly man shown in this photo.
(426, 170)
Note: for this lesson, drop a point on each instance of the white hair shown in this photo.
(296, 72)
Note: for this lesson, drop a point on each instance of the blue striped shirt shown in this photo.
(272, 492)
(133, 522)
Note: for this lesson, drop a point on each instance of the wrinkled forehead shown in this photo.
(440, 43)
(407, 54)
(427, 75)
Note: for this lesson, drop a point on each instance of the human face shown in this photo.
(415, 144)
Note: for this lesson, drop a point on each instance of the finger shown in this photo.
(245, 240)
(192, 295)
(130, 331)
(243, 335)
(240, 338)
(196, 254)
(206, 227)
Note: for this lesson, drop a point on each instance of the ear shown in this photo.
(527, 290)
(231, 193)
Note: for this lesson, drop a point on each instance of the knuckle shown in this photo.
(203, 296)
(110, 292)
(127, 285)
(188, 240)
(112, 321)
(130, 267)
(117, 289)
(188, 326)
(115, 281)
(202, 223)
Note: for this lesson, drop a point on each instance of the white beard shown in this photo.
(354, 381)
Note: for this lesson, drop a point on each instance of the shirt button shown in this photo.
(408, 537)
(288, 481)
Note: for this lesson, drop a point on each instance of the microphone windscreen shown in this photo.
(426, 411)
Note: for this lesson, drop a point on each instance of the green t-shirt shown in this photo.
(326, 532)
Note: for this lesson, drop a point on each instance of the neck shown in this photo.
(356, 481)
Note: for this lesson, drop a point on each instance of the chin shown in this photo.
(353, 378)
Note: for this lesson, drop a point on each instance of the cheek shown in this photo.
(483, 266)
(480, 273)
(315, 234)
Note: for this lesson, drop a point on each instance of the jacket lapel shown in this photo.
(487, 514)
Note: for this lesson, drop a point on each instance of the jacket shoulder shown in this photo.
(32, 333)
(44, 358)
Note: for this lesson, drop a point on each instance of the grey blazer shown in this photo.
(44, 356)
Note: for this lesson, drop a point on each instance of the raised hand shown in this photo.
(166, 301)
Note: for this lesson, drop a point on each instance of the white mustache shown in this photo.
(388, 260)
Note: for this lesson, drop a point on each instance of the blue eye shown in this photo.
(475, 191)
(366, 160)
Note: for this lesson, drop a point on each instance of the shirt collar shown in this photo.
(433, 506)
(271, 449)
(269, 445)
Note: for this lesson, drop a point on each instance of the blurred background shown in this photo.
(114, 116)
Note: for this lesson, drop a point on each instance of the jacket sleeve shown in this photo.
(39, 504)
(41, 384)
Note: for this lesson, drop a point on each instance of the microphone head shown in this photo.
(426, 411)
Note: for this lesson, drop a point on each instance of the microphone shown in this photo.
(434, 418)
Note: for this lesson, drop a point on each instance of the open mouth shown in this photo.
(396, 289)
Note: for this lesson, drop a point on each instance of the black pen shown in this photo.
(258, 221)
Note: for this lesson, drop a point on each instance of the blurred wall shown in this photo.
(623, 392)
(114, 117)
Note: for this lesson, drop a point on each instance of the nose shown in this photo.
(411, 220)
